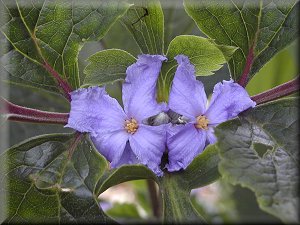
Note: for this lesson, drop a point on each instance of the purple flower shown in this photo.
(188, 98)
(120, 135)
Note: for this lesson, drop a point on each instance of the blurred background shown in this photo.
(219, 202)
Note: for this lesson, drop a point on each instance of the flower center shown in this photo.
(202, 122)
(131, 126)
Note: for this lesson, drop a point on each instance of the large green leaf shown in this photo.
(145, 21)
(44, 185)
(259, 150)
(265, 26)
(53, 32)
(107, 66)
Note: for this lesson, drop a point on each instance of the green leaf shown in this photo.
(44, 185)
(177, 205)
(203, 53)
(52, 32)
(267, 26)
(145, 21)
(259, 150)
(107, 66)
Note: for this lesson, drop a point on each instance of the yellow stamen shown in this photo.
(131, 126)
(202, 122)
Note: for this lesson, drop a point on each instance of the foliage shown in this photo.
(57, 178)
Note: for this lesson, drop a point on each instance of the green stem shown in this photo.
(155, 201)
(177, 206)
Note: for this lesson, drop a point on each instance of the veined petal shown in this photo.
(111, 145)
(184, 143)
(128, 157)
(211, 135)
(187, 96)
(139, 88)
(148, 144)
(85, 109)
(227, 101)
(112, 116)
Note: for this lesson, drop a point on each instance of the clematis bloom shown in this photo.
(188, 98)
(121, 135)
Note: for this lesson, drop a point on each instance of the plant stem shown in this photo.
(155, 202)
(62, 83)
(74, 144)
(24, 114)
(249, 61)
(277, 92)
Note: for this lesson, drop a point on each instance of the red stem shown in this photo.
(249, 61)
(62, 83)
(74, 144)
(24, 114)
(277, 92)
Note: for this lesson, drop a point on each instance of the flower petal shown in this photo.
(211, 135)
(128, 157)
(184, 143)
(85, 109)
(228, 100)
(148, 144)
(139, 88)
(187, 96)
(111, 145)
(111, 115)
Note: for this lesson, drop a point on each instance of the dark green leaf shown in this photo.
(268, 26)
(145, 21)
(177, 205)
(107, 66)
(44, 185)
(54, 32)
(272, 170)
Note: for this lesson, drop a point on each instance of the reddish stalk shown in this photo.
(249, 61)
(277, 92)
(24, 114)
(62, 83)
(74, 144)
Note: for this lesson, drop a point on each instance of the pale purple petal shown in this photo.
(187, 96)
(211, 135)
(184, 143)
(228, 100)
(111, 115)
(128, 157)
(148, 144)
(111, 145)
(139, 88)
(85, 109)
